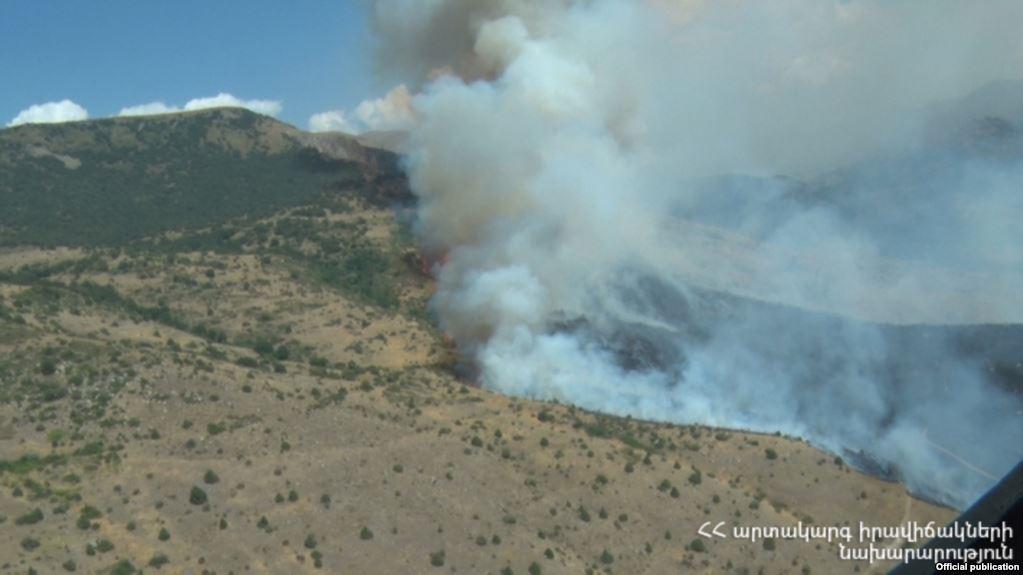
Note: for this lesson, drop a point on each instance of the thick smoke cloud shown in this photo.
(730, 213)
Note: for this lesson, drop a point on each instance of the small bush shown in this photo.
(437, 558)
(584, 515)
(30, 518)
(47, 367)
(86, 515)
(123, 567)
(197, 496)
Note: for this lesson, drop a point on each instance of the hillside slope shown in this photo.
(254, 385)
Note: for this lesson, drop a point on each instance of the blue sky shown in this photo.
(105, 55)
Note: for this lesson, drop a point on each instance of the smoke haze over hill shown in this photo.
(576, 163)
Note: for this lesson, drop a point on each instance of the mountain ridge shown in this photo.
(119, 179)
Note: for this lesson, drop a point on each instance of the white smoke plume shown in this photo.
(601, 177)
(393, 112)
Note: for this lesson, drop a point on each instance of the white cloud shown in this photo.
(331, 121)
(50, 113)
(391, 112)
(223, 99)
(149, 109)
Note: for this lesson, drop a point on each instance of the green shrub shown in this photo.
(584, 515)
(30, 518)
(123, 567)
(437, 558)
(86, 515)
(197, 496)
(263, 347)
(47, 366)
(246, 361)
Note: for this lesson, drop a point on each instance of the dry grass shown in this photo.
(398, 445)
